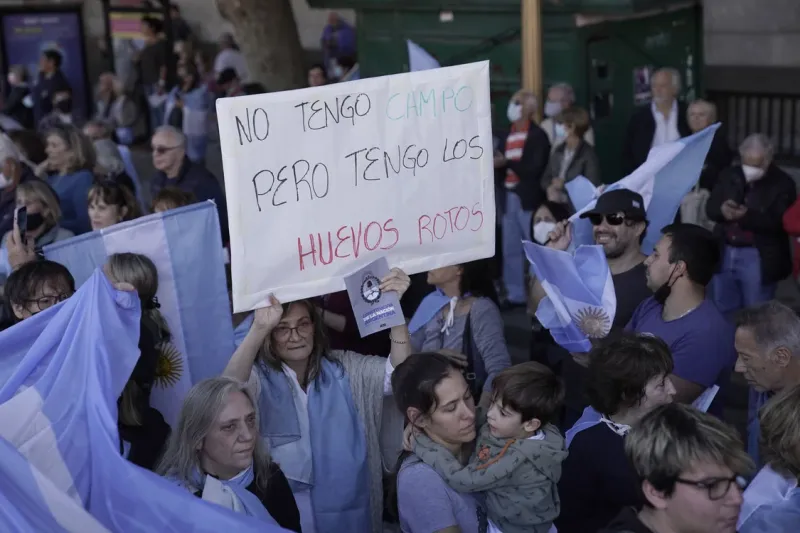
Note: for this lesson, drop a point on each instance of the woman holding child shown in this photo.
(517, 463)
(322, 412)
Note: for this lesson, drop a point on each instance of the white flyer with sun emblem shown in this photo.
(374, 309)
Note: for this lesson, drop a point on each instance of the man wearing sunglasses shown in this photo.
(174, 169)
(619, 222)
(691, 468)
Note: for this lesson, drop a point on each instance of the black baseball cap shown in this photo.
(625, 201)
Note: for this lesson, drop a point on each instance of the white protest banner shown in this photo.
(322, 181)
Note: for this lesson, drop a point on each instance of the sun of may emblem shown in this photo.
(169, 366)
(594, 322)
(371, 289)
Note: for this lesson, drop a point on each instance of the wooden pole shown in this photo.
(532, 50)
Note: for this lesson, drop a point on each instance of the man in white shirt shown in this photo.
(663, 121)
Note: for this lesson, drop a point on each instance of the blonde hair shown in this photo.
(39, 191)
(780, 432)
(673, 438)
(200, 409)
(79, 147)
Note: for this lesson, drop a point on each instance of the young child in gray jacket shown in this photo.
(517, 460)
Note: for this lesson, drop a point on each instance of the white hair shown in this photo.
(757, 142)
(174, 132)
(567, 88)
(773, 325)
(674, 74)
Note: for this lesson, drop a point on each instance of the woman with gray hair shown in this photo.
(748, 203)
(217, 454)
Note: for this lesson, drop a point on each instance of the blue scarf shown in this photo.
(340, 473)
(250, 503)
(430, 305)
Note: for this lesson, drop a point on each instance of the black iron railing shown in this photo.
(775, 115)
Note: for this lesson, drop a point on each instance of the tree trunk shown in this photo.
(266, 32)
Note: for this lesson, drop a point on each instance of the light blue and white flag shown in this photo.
(30, 502)
(186, 247)
(580, 302)
(669, 174)
(63, 371)
(419, 58)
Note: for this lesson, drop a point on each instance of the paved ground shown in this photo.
(517, 322)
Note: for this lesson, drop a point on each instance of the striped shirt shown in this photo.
(515, 143)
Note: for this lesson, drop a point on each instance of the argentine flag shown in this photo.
(61, 372)
(186, 247)
(580, 302)
(419, 58)
(669, 174)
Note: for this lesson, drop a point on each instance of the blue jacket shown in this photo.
(197, 180)
(73, 194)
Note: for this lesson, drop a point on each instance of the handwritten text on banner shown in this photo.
(322, 181)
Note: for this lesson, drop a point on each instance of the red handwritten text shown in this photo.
(456, 219)
(347, 241)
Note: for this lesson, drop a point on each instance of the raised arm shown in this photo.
(266, 318)
(398, 281)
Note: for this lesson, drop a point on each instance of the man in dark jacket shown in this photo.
(748, 203)
(51, 81)
(175, 170)
(691, 468)
(663, 121)
(524, 160)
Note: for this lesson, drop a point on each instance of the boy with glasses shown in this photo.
(691, 469)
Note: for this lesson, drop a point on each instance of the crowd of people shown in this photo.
(428, 424)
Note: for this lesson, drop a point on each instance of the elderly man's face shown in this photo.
(558, 94)
(663, 88)
(755, 158)
(699, 117)
(167, 151)
(762, 371)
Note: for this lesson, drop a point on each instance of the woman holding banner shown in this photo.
(322, 412)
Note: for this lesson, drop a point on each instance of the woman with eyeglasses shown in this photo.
(216, 454)
(111, 203)
(43, 228)
(627, 378)
(322, 412)
(35, 287)
(70, 163)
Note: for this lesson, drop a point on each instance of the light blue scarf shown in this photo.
(589, 418)
(250, 503)
(428, 307)
(340, 473)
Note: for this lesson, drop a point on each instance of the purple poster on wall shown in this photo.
(26, 36)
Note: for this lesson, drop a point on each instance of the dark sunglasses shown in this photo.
(160, 150)
(612, 220)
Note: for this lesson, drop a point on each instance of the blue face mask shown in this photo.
(561, 131)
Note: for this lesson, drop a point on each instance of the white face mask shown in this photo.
(541, 230)
(514, 111)
(561, 131)
(752, 173)
(552, 109)
(4, 181)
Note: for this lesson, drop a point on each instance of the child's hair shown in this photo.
(532, 390)
(172, 198)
